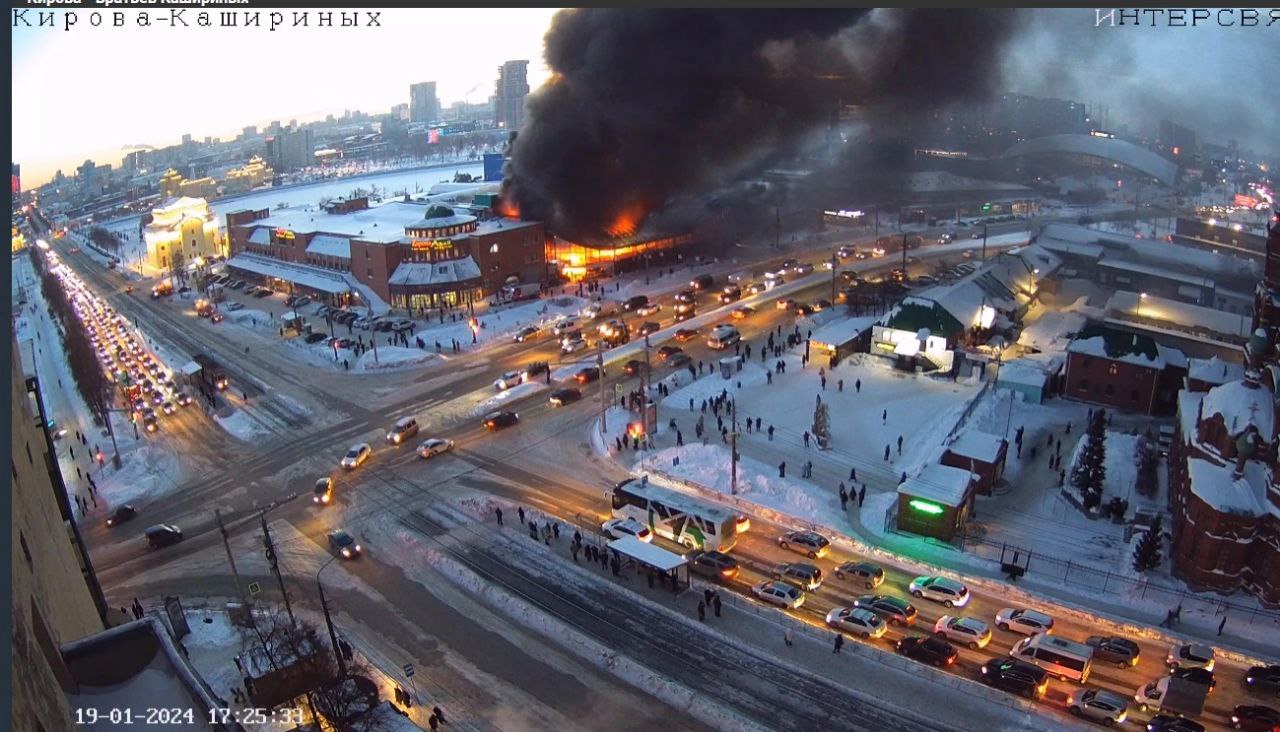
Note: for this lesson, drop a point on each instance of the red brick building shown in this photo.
(981, 453)
(1122, 370)
(411, 255)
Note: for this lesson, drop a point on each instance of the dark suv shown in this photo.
(714, 564)
(928, 649)
(1264, 680)
(1019, 677)
(897, 612)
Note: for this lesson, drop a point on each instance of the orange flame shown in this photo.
(626, 222)
(508, 208)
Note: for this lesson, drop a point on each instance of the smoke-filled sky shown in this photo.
(89, 92)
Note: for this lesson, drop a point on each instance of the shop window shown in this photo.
(1113, 369)
(493, 249)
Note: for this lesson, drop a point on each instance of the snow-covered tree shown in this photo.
(1089, 473)
(1148, 553)
(1147, 458)
(822, 425)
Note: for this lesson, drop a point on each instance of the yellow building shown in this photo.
(204, 188)
(171, 184)
(248, 176)
(19, 241)
(182, 229)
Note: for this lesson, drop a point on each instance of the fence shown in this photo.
(1103, 581)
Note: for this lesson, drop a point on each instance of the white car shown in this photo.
(1100, 705)
(233, 306)
(968, 631)
(433, 447)
(1190, 655)
(649, 309)
(616, 528)
(356, 456)
(940, 589)
(573, 344)
(1023, 620)
(592, 311)
(808, 543)
(778, 593)
(508, 380)
(564, 325)
(858, 621)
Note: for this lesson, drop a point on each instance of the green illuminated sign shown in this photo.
(986, 207)
(926, 507)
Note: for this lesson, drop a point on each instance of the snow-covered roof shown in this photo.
(1050, 330)
(933, 180)
(654, 556)
(1240, 406)
(977, 445)
(447, 271)
(441, 222)
(1214, 370)
(840, 332)
(1108, 148)
(1132, 348)
(946, 485)
(178, 203)
(328, 245)
(1217, 486)
(260, 236)
(1188, 410)
(503, 224)
(1023, 372)
(380, 224)
(299, 274)
(1079, 249)
(1179, 313)
(1198, 281)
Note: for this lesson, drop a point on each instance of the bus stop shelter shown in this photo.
(650, 558)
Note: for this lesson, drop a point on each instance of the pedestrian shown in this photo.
(715, 602)
(782, 469)
(824, 382)
(239, 666)
(886, 453)
(808, 468)
(844, 498)
(770, 433)
(520, 513)
(862, 494)
(577, 537)
(555, 529)
(1221, 625)
(93, 498)
(857, 386)
(573, 549)
(79, 474)
(1168, 619)
(757, 424)
(853, 475)
(498, 512)
(884, 416)
(839, 643)
(1177, 612)
(706, 595)
(786, 636)
(439, 715)
(433, 722)
(768, 378)
(702, 610)
(899, 444)
(72, 452)
(806, 438)
(533, 531)
(840, 385)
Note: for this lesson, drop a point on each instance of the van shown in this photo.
(403, 430)
(162, 535)
(723, 337)
(1068, 660)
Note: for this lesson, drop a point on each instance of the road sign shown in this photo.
(408, 670)
(255, 589)
(617, 389)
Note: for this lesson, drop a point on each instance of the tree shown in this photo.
(822, 425)
(1089, 473)
(86, 369)
(1147, 459)
(1148, 553)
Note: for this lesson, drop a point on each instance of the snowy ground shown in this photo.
(242, 427)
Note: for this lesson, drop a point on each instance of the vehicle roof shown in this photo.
(405, 421)
(339, 535)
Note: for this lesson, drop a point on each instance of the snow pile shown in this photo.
(504, 399)
(241, 426)
(709, 387)
(709, 467)
(394, 358)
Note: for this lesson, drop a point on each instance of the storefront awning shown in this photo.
(299, 274)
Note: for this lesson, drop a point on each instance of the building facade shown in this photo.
(181, 230)
(424, 105)
(289, 150)
(245, 178)
(509, 94)
(1123, 370)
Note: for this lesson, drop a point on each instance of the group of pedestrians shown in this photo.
(710, 599)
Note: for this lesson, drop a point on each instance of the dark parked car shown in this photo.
(686, 334)
(1263, 679)
(122, 515)
(1171, 723)
(315, 337)
(928, 649)
(634, 367)
(686, 296)
(896, 611)
(679, 361)
(667, 352)
(1197, 675)
(649, 328)
(1255, 718)
(497, 420)
(702, 282)
(1016, 676)
(561, 397)
(162, 535)
(587, 375)
(633, 303)
(1122, 652)
(716, 565)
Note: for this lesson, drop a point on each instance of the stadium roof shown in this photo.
(1115, 150)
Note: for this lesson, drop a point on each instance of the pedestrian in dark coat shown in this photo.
(520, 512)
(884, 416)
(706, 595)
(715, 602)
(839, 643)
(498, 512)
(533, 531)
(844, 498)
(433, 722)
(862, 495)
(782, 469)
(857, 386)
(577, 537)
(770, 432)
(439, 714)
(702, 610)
(886, 453)
(555, 529)
(853, 474)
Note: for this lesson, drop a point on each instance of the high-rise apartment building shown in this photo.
(509, 94)
(290, 149)
(424, 105)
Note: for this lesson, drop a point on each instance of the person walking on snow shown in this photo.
(498, 512)
(884, 417)
(899, 444)
(839, 643)
(886, 453)
(702, 610)
(844, 498)
(862, 494)
(782, 469)
(806, 438)
(770, 433)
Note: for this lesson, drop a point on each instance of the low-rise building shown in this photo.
(1128, 371)
(181, 230)
(937, 502)
(980, 453)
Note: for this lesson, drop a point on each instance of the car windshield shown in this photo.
(354, 452)
(341, 537)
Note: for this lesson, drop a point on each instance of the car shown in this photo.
(685, 334)
(686, 296)
(434, 446)
(344, 544)
(648, 328)
(1122, 652)
(925, 280)
(702, 282)
(940, 589)
(801, 574)
(1099, 705)
(233, 306)
(717, 565)
(571, 344)
(802, 269)
(564, 326)
(526, 333)
(976, 235)
(616, 528)
(563, 396)
(683, 315)
(1200, 676)
(635, 367)
(927, 649)
(788, 264)
(495, 421)
(261, 293)
(183, 399)
(866, 573)
(356, 456)
(237, 285)
(592, 311)
(635, 303)
(587, 374)
(1173, 723)
(742, 524)
(970, 631)
(123, 514)
(785, 303)
(755, 288)
(1017, 676)
(1255, 717)
(858, 621)
(648, 310)
(150, 422)
(667, 352)
(742, 312)
(1190, 655)
(1263, 679)
(322, 493)
(845, 252)
(508, 380)
(731, 293)
(1023, 620)
(162, 535)
(778, 593)
(680, 360)
(809, 543)
(168, 407)
(314, 337)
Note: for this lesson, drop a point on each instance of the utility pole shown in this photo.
(275, 567)
(904, 255)
(834, 261)
(984, 242)
(604, 427)
(333, 634)
(222, 529)
(733, 447)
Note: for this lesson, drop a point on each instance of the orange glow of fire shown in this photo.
(626, 222)
(508, 208)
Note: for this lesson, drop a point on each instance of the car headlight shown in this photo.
(325, 498)
(357, 547)
(346, 552)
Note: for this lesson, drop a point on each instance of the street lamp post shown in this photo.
(328, 619)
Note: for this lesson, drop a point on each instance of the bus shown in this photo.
(675, 516)
(1068, 660)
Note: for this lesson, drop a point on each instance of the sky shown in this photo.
(89, 92)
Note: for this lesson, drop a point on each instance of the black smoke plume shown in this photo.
(648, 105)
